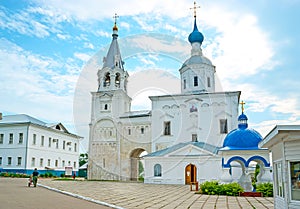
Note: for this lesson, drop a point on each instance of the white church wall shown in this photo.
(203, 120)
(173, 169)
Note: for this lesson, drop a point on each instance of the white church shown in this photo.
(195, 136)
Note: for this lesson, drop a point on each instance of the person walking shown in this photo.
(35, 175)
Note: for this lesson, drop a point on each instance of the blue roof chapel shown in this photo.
(242, 138)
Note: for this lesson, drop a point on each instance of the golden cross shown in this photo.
(115, 17)
(195, 9)
(243, 103)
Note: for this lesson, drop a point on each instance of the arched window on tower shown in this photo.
(106, 80)
(157, 170)
(118, 80)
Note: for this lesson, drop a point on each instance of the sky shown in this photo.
(50, 52)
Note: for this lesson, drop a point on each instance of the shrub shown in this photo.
(266, 189)
(14, 175)
(214, 188)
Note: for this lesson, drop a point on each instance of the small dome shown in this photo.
(242, 138)
(115, 27)
(196, 36)
(242, 117)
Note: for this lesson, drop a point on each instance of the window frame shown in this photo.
(21, 138)
(157, 170)
(1, 138)
(294, 185)
(11, 138)
(196, 81)
(223, 128)
(167, 128)
(19, 161)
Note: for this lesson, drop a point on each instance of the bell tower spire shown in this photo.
(113, 76)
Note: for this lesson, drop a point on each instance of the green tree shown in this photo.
(83, 158)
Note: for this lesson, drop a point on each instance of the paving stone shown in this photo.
(148, 196)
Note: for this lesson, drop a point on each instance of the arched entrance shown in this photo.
(190, 173)
(136, 164)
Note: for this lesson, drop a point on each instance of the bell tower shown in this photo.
(109, 102)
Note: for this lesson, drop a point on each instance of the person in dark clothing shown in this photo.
(35, 175)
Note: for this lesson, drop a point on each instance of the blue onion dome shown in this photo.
(196, 36)
(242, 138)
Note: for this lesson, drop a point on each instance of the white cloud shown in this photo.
(63, 36)
(240, 46)
(103, 33)
(34, 84)
(82, 56)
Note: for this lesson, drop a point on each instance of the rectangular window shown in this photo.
(11, 138)
(167, 128)
(208, 82)
(223, 126)
(41, 162)
(129, 131)
(194, 138)
(33, 161)
(49, 144)
(9, 159)
(56, 163)
(0, 160)
(295, 180)
(195, 80)
(34, 139)
(184, 84)
(63, 163)
(279, 185)
(19, 161)
(75, 147)
(74, 164)
(1, 138)
(21, 138)
(49, 163)
(56, 143)
(142, 130)
(42, 140)
(64, 144)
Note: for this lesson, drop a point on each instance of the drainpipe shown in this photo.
(26, 148)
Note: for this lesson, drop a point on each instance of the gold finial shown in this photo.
(115, 17)
(195, 9)
(242, 103)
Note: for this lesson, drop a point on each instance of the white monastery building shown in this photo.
(27, 143)
(193, 136)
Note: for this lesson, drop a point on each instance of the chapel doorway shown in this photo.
(190, 173)
(137, 164)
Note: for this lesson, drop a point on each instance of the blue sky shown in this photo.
(46, 48)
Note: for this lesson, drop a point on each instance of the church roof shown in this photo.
(208, 147)
(132, 114)
(196, 59)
